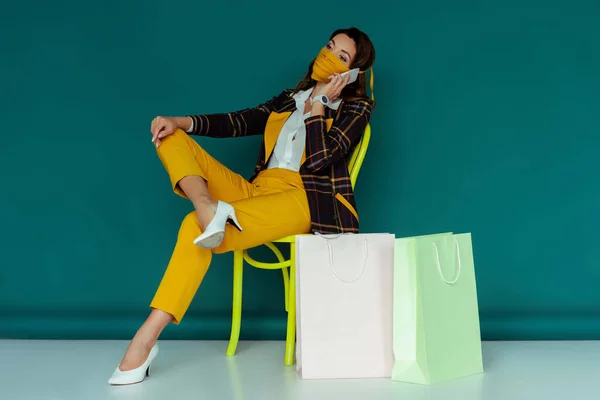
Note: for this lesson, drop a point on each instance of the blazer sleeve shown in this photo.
(246, 122)
(326, 148)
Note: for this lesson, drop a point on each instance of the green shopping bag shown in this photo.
(436, 320)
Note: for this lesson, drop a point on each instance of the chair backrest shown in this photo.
(358, 155)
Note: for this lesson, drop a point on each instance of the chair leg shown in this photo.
(236, 320)
(286, 287)
(290, 342)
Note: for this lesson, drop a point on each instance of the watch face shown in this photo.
(324, 99)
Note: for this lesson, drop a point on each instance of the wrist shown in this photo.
(183, 123)
(318, 108)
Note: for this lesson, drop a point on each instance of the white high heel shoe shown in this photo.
(135, 375)
(215, 231)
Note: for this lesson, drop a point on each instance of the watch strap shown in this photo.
(323, 99)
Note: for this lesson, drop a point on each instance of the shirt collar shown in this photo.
(303, 95)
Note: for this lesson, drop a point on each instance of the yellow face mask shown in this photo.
(327, 64)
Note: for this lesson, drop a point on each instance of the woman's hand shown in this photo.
(162, 127)
(334, 88)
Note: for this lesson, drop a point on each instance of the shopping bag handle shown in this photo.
(366, 253)
(437, 258)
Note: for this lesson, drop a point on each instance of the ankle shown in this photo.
(146, 339)
(205, 203)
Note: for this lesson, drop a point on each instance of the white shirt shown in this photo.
(291, 141)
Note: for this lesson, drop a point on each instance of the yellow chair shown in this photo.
(289, 278)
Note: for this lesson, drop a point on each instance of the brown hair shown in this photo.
(364, 59)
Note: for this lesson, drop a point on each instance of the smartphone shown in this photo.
(353, 75)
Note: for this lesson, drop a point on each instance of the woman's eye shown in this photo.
(343, 58)
(329, 46)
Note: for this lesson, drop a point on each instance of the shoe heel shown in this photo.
(232, 219)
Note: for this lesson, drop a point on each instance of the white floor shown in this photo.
(65, 370)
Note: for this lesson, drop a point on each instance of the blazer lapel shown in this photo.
(274, 124)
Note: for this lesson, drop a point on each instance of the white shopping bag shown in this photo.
(344, 300)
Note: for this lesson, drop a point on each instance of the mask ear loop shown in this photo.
(371, 81)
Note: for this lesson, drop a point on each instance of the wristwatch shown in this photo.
(321, 99)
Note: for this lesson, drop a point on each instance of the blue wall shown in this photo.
(488, 121)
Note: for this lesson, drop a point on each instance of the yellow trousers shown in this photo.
(273, 206)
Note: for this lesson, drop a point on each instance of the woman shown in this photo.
(301, 182)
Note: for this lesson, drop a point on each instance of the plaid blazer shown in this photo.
(330, 140)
